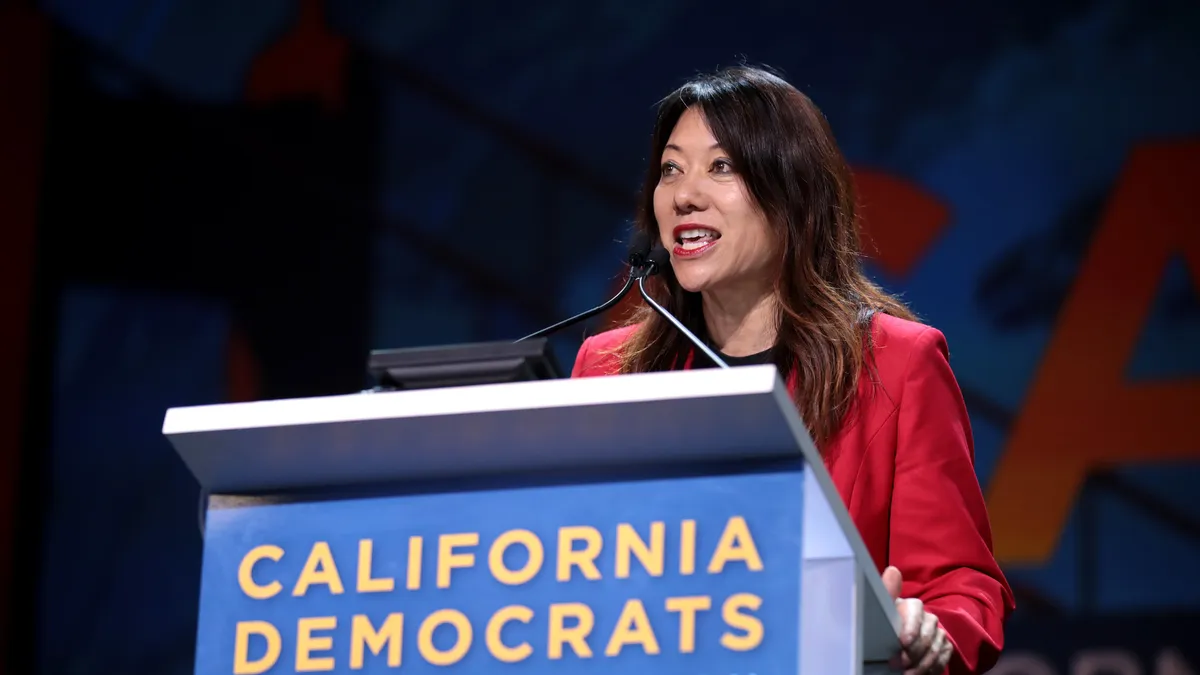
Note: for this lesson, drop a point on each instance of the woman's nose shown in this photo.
(690, 194)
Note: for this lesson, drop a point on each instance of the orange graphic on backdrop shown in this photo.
(900, 220)
(307, 62)
(1081, 412)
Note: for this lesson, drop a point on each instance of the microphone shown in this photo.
(638, 258)
(657, 261)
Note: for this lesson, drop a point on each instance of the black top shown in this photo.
(760, 359)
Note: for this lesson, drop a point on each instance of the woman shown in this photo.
(749, 193)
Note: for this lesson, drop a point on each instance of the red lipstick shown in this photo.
(693, 240)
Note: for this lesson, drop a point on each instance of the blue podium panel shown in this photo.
(692, 575)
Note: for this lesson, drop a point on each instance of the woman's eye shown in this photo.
(669, 168)
(723, 166)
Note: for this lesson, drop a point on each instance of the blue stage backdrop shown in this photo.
(240, 202)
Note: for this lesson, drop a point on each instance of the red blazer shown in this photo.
(904, 466)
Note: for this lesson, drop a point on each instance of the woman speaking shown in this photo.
(747, 190)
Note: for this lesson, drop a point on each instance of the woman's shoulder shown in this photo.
(888, 327)
(901, 348)
(611, 339)
(599, 354)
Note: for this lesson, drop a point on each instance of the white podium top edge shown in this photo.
(468, 400)
(587, 423)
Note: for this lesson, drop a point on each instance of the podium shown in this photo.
(677, 522)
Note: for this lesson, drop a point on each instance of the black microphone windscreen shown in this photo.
(658, 259)
(639, 248)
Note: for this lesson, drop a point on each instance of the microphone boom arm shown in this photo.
(584, 315)
(679, 326)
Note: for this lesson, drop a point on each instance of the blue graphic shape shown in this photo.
(1163, 351)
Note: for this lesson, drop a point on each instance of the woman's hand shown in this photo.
(926, 649)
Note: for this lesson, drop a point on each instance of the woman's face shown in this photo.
(718, 237)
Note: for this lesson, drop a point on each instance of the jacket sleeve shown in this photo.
(940, 537)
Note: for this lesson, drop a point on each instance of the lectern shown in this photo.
(676, 522)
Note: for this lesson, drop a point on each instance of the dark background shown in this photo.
(214, 200)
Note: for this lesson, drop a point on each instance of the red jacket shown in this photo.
(904, 465)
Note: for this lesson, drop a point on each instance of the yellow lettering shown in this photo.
(735, 544)
(462, 638)
(365, 583)
(363, 636)
(746, 622)
(687, 608)
(633, 628)
(242, 665)
(246, 572)
(496, 646)
(584, 558)
(415, 546)
(630, 543)
(306, 644)
(319, 569)
(687, 547)
(532, 544)
(448, 559)
(575, 635)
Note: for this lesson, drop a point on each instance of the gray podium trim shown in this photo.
(880, 620)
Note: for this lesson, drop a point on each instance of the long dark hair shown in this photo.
(783, 150)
